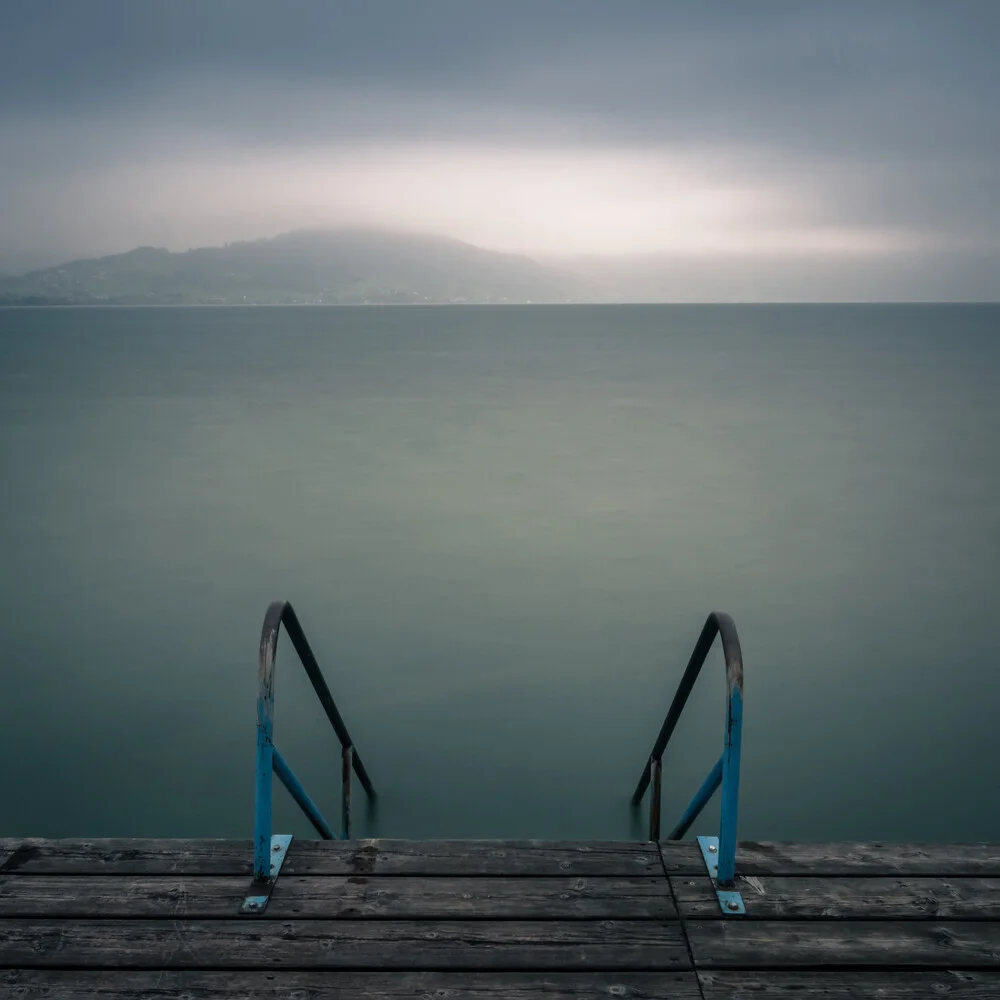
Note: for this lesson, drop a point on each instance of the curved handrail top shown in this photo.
(282, 613)
(731, 649)
(717, 623)
(268, 649)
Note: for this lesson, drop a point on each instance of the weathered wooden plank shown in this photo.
(356, 896)
(847, 859)
(541, 945)
(46, 984)
(681, 857)
(138, 856)
(782, 944)
(536, 858)
(39, 984)
(944, 860)
(802, 897)
(837, 985)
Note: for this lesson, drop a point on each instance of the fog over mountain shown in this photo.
(304, 267)
(370, 266)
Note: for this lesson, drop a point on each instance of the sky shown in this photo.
(809, 147)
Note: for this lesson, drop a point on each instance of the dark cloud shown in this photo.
(901, 73)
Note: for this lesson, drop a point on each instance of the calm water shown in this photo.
(502, 529)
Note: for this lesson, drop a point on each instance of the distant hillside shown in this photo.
(306, 267)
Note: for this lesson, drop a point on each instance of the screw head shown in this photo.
(277, 847)
(712, 849)
(732, 906)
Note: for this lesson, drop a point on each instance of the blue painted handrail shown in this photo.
(726, 771)
(269, 760)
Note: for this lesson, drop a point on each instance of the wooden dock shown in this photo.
(485, 920)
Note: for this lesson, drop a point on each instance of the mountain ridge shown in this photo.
(301, 267)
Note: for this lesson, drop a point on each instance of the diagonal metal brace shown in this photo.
(730, 901)
(260, 892)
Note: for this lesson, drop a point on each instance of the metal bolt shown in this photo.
(732, 906)
(712, 849)
(277, 847)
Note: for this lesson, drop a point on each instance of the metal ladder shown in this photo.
(719, 852)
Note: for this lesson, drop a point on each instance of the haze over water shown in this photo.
(502, 529)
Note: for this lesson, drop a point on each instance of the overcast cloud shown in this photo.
(856, 134)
